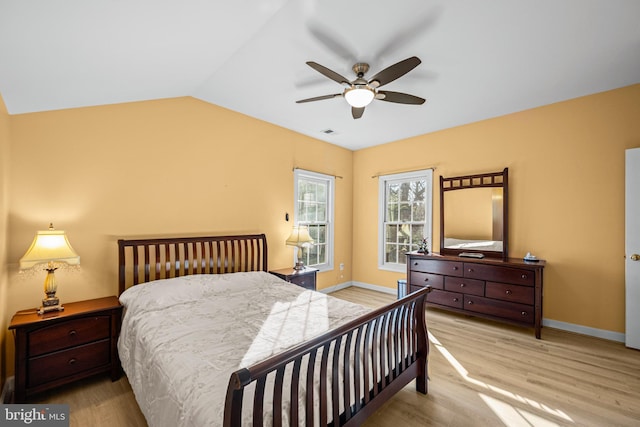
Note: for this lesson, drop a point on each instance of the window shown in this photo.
(405, 208)
(314, 208)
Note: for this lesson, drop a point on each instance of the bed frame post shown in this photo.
(233, 402)
(422, 383)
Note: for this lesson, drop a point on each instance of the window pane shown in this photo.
(391, 233)
(391, 254)
(405, 212)
(418, 211)
(392, 212)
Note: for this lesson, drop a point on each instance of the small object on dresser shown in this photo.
(423, 247)
(471, 255)
(530, 258)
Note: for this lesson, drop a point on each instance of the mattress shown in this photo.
(182, 338)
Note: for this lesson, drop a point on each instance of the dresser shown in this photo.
(508, 290)
(58, 348)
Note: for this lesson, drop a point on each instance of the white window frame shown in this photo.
(330, 181)
(383, 182)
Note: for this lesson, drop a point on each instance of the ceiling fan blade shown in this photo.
(399, 98)
(332, 41)
(319, 98)
(328, 73)
(394, 71)
(357, 112)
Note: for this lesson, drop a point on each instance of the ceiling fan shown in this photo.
(360, 92)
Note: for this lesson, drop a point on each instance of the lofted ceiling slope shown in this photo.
(479, 59)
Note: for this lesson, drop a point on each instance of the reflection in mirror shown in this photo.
(474, 214)
(473, 219)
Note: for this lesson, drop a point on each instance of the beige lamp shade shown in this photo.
(49, 246)
(299, 236)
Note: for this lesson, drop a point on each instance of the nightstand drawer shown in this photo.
(50, 367)
(68, 334)
(307, 282)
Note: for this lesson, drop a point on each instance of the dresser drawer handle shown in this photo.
(455, 268)
(72, 361)
(523, 314)
(455, 300)
(470, 270)
(415, 263)
(72, 333)
(426, 279)
(524, 276)
(462, 285)
(508, 292)
(470, 302)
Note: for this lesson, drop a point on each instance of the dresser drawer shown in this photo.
(451, 268)
(450, 299)
(508, 310)
(61, 364)
(465, 286)
(68, 334)
(513, 293)
(427, 279)
(499, 274)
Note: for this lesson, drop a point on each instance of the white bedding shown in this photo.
(182, 338)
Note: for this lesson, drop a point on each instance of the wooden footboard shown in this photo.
(340, 377)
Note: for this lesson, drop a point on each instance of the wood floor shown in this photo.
(482, 374)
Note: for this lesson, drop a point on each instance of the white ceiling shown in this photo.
(480, 59)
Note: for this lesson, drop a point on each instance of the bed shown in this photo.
(209, 337)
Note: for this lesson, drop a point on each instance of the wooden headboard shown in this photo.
(142, 260)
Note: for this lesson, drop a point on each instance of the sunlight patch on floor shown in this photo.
(510, 415)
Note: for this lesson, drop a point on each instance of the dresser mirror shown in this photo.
(473, 214)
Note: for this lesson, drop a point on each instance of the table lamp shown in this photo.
(49, 247)
(300, 238)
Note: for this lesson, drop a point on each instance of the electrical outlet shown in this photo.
(341, 266)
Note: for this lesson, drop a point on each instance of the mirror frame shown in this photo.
(493, 179)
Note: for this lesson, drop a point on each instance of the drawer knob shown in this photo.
(462, 285)
(470, 270)
(524, 313)
(524, 276)
(455, 268)
(470, 302)
(508, 292)
(72, 361)
(455, 300)
(415, 263)
(426, 279)
(72, 333)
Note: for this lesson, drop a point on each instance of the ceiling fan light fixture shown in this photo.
(359, 96)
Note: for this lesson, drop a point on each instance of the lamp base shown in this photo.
(50, 304)
(299, 266)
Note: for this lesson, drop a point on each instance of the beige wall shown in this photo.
(4, 238)
(566, 179)
(176, 166)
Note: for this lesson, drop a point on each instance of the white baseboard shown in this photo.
(383, 289)
(7, 391)
(336, 287)
(344, 285)
(584, 330)
(564, 326)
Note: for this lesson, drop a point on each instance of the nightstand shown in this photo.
(305, 277)
(60, 347)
